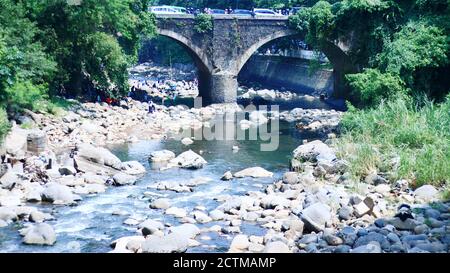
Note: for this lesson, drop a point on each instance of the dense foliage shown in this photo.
(71, 48)
(401, 41)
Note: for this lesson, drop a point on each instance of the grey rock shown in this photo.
(314, 151)
(309, 238)
(333, 240)
(217, 215)
(433, 247)
(408, 224)
(98, 155)
(433, 223)
(345, 212)
(67, 170)
(375, 179)
(161, 203)
(397, 248)
(132, 168)
(316, 216)
(349, 235)
(255, 172)
(432, 213)
(161, 156)
(426, 192)
(187, 230)
(59, 194)
(189, 160)
(291, 178)
(7, 214)
(171, 243)
(342, 249)
(40, 234)
(421, 229)
(372, 236)
(150, 226)
(227, 176)
(276, 247)
(121, 179)
(370, 247)
(392, 237)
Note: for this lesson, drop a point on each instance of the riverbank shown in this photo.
(314, 208)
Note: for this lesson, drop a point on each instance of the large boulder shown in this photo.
(40, 234)
(186, 230)
(87, 166)
(150, 226)
(7, 214)
(189, 160)
(58, 194)
(316, 216)
(121, 179)
(171, 243)
(314, 151)
(9, 179)
(161, 156)
(426, 193)
(255, 172)
(161, 203)
(132, 167)
(98, 155)
(16, 142)
(276, 247)
(240, 243)
(10, 201)
(371, 247)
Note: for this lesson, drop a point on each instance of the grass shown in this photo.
(399, 139)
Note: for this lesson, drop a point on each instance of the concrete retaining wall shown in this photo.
(290, 73)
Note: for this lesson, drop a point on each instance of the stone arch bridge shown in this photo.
(220, 53)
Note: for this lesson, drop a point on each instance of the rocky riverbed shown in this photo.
(314, 207)
(102, 178)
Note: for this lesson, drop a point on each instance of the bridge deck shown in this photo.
(223, 17)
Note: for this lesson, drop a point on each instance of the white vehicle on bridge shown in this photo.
(265, 12)
(168, 10)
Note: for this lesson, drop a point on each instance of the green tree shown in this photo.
(72, 32)
(371, 86)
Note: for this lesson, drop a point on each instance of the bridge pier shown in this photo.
(217, 88)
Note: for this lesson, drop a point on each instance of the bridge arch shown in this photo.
(242, 60)
(200, 58)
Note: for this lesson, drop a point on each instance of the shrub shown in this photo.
(203, 23)
(371, 86)
(25, 95)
